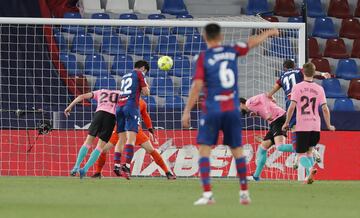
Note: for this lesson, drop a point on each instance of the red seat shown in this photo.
(271, 18)
(335, 48)
(354, 89)
(357, 10)
(321, 64)
(314, 50)
(350, 28)
(286, 8)
(339, 9)
(355, 53)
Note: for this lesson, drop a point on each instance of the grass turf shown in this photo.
(146, 198)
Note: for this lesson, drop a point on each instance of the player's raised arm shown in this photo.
(78, 99)
(258, 39)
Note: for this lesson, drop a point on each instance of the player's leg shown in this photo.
(93, 157)
(314, 139)
(261, 156)
(102, 159)
(302, 147)
(279, 136)
(82, 153)
(119, 147)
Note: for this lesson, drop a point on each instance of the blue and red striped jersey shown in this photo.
(130, 88)
(289, 78)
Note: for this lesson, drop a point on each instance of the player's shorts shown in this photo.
(141, 137)
(305, 140)
(128, 119)
(211, 124)
(293, 118)
(102, 125)
(276, 129)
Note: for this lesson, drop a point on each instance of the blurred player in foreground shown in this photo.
(141, 139)
(266, 108)
(216, 73)
(101, 126)
(307, 97)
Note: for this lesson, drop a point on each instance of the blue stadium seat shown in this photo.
(162, 86)
(69, 62)
(184, 16)
(167, 45)
(100, 30)
(139, 45)
(61, 42)
(347, 69)
(314, 8)
(112, 45)
(343, 104)
(95, 65)
(332, 88)
(122, 64)
(73, 29)
(106, 82)
(185, 86)
(184, 30)
(129, 30)
(194, 44)
(83, 44)
(182, 67)
(154, 70)
(324, 28)
(282, 48)
(295, 19)
(174, 102)
(157, 30)
(150, 101)
(258, 6)
(174, 7)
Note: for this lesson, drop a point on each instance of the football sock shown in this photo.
(93, 158)
(117, 157)
(204, 170)
(241, 171)
(81, 155)
(311, 159)
(286, 148)
(159, 160)
(101, 162)
(305, 162)
(128, 153)
(260, 161)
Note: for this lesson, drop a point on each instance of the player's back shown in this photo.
(130, 88)
(289, 78)
(106, 100)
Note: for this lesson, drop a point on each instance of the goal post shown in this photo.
(45, 63)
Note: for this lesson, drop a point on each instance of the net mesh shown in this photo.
(44, 67)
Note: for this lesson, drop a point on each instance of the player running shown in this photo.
(267, 109)
(101, 126)
(216, 73)
(141, 139)
(307, 97)
(127, 114)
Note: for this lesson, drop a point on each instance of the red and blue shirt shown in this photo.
(130, 88)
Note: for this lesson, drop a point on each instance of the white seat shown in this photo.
(91, 6)
(118, 6)
(146, 7)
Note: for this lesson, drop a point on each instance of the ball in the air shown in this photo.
(165, 63)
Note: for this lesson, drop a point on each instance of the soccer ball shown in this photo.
(165, 63)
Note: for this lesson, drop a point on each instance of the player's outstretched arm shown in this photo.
(145, 91)
(258, 39)
(195, 90)
(275, 88)
(289, 114)
(326, 113)
(78, 99)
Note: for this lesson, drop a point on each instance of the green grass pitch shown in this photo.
(146, 198)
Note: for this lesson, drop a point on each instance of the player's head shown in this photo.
(309, 69)
(212, 33)
(289, 64)
(142, 65)
(243, 108)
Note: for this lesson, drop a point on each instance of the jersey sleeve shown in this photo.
(145, 115)
(142, 81)
(295, 95)
(241, 48)
(278, 81)
(96, 94)
(199, 68)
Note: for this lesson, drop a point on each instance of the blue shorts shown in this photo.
(293, 118)
(127, 119)
(211, 124)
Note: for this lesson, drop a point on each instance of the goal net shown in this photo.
(46, 63)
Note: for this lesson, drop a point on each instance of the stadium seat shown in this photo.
(282, 48)
(150, 101)
(174, 7)
(69, 62)
(83, 44)
(61, 42)
(314, 50)
(174, 102)
(295, 19)
(271, 18)
(321, 64)
(184, 16)
(324, 28)
(357, 10)
(157, 30)
(162, 86)
(194, 44)
(354, 89)
(355, 53)
(73, 29)
(184, 30)
(185, 86)
(350, 28)
(347, 69)
(285, 8)
(118, 6)
(146, 7)
(258, 6)
(332, 88)
(139, 45)
(167, 45)
(339, 9)
(91, 6)
(154, 70)
(129, 30)
(335, 48)
(182, 67)
(314, 8)
(106, 82)
(122, 64)
(100, 30)
(95, 65)
(343, 104)
(112, 45)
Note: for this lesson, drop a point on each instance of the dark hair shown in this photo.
(309, 69)
(212, 31)
(289, 64)
(142, 63)
(243, 101)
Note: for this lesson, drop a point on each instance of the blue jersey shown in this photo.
(288, 79)
(217, 67)
(130, 88)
